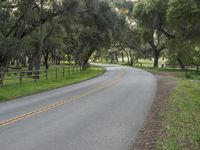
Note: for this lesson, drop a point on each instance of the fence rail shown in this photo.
(168, 66)
(20, 77)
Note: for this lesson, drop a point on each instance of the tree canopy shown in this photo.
(36, 32)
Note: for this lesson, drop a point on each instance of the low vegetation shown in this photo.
(42, 32)
(182, 125)
(27, 88)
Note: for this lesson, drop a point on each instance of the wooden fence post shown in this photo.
(35, 77)
(46, 74)
(20, 77)
(56, 73)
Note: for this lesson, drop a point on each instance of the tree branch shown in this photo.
(168, 35)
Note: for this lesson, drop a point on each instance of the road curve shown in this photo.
(104, 113)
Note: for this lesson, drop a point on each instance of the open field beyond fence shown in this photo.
(22, 76)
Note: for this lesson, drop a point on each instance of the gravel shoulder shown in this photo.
(147, 136)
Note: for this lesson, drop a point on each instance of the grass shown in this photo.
(13, 76)
(192, 74)
(181, 128)
(16, 90)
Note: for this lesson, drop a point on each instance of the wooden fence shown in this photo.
(20, 77)
(168, 66)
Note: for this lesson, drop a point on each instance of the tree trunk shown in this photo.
(86, 59)
(4, 63)
(31, 65)
(156, 58)
(39, 50)
(132, 61)
(46, 58)
(127, 55)
(3, 68)
(69, 58)
(116, 57)
(13, 62)
(122, 55)
(180, 63)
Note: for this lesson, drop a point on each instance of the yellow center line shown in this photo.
(62, 102)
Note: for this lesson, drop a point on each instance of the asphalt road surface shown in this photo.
(104, 113)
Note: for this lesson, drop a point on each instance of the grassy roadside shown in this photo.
(13, 91)
(181, 126)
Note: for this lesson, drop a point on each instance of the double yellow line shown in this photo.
(62, 102)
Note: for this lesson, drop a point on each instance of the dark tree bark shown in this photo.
(31, 65)
(197, 68)
(4, 62)
(39, 50)
(122, 55)
(46, 58)
(127, 55)
(69, 58)
(156, 52)
(86, 58)
(181, 64)
(156, 58)
(116, 57)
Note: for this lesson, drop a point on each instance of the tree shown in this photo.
(150, 15)
(184, 19)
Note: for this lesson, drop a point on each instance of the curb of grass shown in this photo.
(53, 88)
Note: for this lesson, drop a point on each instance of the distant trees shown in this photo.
(150, 15)
(171, 25)
(184, 19)
(33, 32)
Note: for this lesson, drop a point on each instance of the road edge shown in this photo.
(147, 136)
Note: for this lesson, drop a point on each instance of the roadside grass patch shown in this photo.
(27, 88)
(182, 119)
(181, 125)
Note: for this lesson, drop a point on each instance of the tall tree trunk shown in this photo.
(31, 65)
(180, 63)
(122, 55)
(46, 58)
(127, 55)
(4, 61)
(86, 59)
(13, 62)
(156, 57)
(39, 50)
(116, 57)
(69, 58)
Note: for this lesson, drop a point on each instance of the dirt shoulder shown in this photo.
(147, 137)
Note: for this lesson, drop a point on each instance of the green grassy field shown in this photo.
(181, 129)
(27, 88)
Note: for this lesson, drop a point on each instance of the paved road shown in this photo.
(104, 113)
